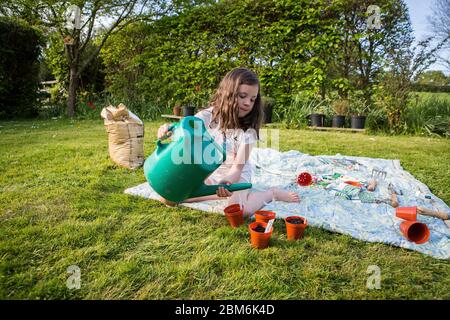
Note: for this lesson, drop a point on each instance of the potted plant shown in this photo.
(318, 116)
(234, 214)
(340, 108)
(177, 108)
(358, 110)
(295, 227)
(188, 110)
(258, 237)
(264, 215)
(268, 104)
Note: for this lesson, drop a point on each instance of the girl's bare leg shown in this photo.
(190, 200)
(253, 201)
(197, 199)
(204, 198)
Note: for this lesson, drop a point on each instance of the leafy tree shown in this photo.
(185, 55)
(404, 65)
(98, 18)
(434, 78)
(440, 25)
(364, 49)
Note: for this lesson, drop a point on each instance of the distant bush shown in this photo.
(430, 88)
(428, 115)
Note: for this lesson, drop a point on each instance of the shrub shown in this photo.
(19, 68)
(428, 115)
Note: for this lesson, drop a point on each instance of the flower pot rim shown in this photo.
(234, 213)
(233, 206)
(305, 221)
(260, 223)
(407, 224)
(265, 213)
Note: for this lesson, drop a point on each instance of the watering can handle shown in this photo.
(171, 128)
(206, 190)
(236, 186)
(160, 146)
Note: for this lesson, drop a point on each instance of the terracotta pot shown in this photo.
(235, 215)
(259, 240)
(176, 110)
(406, 213)
(295, 230)
(415, 231)
(264, 216)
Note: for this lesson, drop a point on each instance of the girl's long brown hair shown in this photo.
(224, 102)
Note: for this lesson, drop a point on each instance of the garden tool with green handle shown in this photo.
(177, 170)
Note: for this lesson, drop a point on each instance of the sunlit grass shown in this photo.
(62, 204)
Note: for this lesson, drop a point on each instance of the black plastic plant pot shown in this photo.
(317, 119)
(268, 114)
(188, 111)
(358, 122)
(338, 121)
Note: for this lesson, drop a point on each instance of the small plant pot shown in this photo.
(415, 231)
(358, 122)
(258, 238)
(338, 121)
(406, 213)
(188, 111)
(295, 227)
(304, 179)
(264, 216)
(317, 120)
(177, 111)
(235, 215)
(268, 114)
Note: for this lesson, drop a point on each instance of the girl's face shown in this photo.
(246, 98)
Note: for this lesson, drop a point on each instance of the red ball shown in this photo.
(304, 179)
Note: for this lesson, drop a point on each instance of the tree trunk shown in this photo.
(73, 88)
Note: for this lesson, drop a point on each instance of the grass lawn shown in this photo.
(62, 204)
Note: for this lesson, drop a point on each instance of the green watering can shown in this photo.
(177, 170)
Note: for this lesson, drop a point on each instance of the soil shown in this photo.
(259, 229)
(296, 221)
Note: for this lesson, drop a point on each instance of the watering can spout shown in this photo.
(205, 190)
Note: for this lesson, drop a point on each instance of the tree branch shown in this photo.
(125, 13)
(91, 26)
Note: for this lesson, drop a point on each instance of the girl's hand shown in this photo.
(163, 131)
(222, 192)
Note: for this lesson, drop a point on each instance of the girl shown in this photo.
(234, 117)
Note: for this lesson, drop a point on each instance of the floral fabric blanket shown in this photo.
(338, 199)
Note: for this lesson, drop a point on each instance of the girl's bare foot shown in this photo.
(167, 202)
(287, 196)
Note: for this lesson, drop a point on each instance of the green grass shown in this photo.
(62, 204)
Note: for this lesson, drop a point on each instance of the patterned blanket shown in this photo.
(332, 203)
